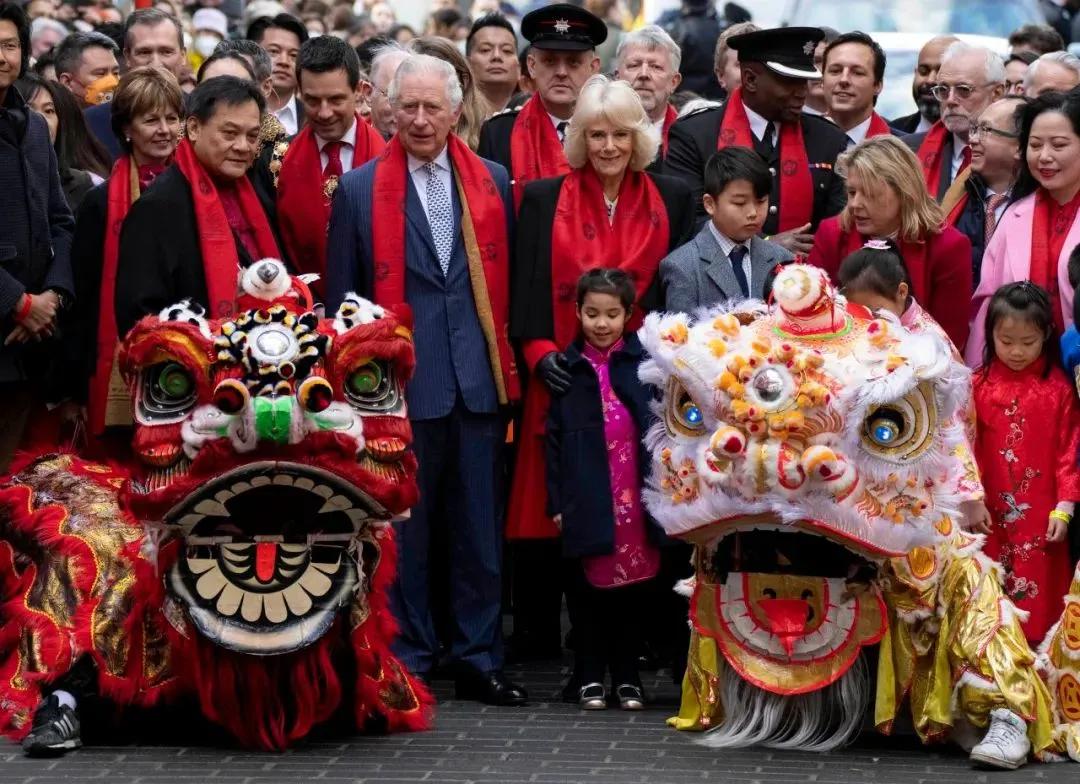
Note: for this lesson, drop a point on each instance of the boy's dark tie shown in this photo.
(738, 253)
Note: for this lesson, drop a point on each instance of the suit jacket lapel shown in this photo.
(717, 265)
(414, 213)
(760, 256)
(946, 168)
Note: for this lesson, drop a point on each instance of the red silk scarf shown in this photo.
(304, 194)
(216, 242)
(878, 127)
(796, 184)
(1050, 226)
(930, 156)
(119, 198)
(487, 246)
(670, 116)
(535, 150)
(582, 238)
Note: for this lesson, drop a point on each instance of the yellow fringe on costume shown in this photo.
(700, 708)
(965, 658)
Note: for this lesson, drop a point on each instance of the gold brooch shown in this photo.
(329, 187)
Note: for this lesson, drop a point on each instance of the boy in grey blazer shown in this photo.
(727, 259)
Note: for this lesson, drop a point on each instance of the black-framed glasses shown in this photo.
(979, 129)
(963, 91)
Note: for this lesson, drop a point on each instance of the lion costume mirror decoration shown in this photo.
(247, 553)
(815, 456)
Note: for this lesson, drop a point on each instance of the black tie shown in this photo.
(561, 130)
(767, 147)
(738, 253)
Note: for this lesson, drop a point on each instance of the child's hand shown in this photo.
(1056, 531)
(557, 519)
(976, 517)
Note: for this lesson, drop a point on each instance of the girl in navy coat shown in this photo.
(595, 465)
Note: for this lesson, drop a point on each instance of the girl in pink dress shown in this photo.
(595, 464)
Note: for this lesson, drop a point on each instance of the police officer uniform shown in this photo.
(561, 26)
(693, 140)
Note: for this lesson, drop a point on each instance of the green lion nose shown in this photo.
(273, 417)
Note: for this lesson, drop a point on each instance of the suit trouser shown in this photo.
(459, 489)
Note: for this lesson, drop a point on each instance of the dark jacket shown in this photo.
(695, 30)
(906, 124)
(80, 335)
(99, 119)
(915, 141)
(972, 223)
(530, 274)
(578, 481)
(161, 262)
(452, 359)
(693, 140)
(35, 232)
(75, 183)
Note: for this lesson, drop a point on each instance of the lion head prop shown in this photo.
(245, 553)
(799, 447)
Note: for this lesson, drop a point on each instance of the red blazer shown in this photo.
(940, 271)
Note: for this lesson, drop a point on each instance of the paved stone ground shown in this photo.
(548, 742)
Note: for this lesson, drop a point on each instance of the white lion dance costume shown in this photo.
(814, 456)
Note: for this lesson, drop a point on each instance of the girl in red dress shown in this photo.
(1026, 446)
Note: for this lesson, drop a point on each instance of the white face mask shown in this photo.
(314, 32)
(205, 44)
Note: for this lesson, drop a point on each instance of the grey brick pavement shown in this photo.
(548, 743)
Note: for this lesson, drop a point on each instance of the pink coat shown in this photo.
(1007, 260)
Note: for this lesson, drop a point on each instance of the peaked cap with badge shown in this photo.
(563, 26)
(787, 51)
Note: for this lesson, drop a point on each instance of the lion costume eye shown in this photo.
(902, 430)
(371, 387)
(684, 415)
(167, 393)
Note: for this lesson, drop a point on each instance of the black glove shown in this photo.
(553, 372)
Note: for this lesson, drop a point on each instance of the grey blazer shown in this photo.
(698, 274)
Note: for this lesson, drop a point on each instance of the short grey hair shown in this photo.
(383, 54)
(416, 64)
(652, 37)
(994, 65)
(260, 61)
(616, 102)
(43, 23)
(1057, 58)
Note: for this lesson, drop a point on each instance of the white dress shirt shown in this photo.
(555, 121)
(858, 133)
(727, 245)
(924, 124)
(420, 177)
(288, 116)
(348, 145)
(757, 125)
(958, 146)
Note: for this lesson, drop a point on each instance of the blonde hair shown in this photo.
(614, 101)
(147, 88)
(885, 161)
(722, 42)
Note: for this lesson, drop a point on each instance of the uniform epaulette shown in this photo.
(507, 110)
(277, 156)
(704, 107)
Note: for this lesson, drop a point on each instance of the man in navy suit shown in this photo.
(428, 223)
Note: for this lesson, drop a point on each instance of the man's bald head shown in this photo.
(926, 71)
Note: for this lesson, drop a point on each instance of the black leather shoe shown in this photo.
(493, 687)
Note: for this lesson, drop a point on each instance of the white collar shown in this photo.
(812, 111)
(757, 123)
(958, 146)
(349, 137)
(442, 160)
(924, 124)
(555, 120)
(289, 108)
(858, 133)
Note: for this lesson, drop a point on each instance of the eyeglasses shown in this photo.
(963, 91)
(982, 128)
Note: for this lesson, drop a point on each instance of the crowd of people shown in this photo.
(532, 186)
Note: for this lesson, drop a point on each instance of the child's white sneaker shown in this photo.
(1005, 744)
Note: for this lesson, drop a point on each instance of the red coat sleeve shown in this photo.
(1068, 447)
(826, 250)
(949, 258)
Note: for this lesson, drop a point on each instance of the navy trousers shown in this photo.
(459, 490)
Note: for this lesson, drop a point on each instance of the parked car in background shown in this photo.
(995, 18)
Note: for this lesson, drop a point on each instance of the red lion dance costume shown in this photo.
(249, 549)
